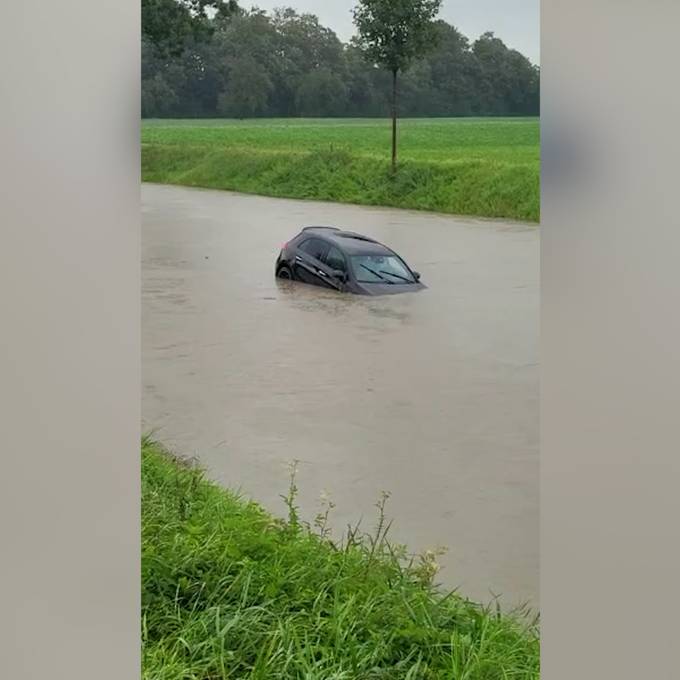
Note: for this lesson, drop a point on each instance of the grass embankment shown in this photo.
(230, 592)
(485, 167)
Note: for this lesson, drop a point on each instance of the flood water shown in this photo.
(431, 396)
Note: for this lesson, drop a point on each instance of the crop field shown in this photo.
(487, 167)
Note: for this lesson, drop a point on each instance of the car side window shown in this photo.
(336, 260)
(314, 247)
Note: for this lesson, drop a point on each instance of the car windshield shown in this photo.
(380, 269)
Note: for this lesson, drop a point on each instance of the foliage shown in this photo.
(229, 591)
(193, 55)
(394, 32)
(249, 88)
(320, 93)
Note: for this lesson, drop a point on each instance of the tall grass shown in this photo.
(229, 591)
(484, 167)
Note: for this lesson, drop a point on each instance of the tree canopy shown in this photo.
(394, 32)
(204, 58)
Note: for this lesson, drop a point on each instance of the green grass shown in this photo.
(486, 167)
(228, 591)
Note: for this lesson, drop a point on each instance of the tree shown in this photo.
(169, 24)
(248, 89)
(507, 81)
(392, 33)
(166, 24)
(158, 98)
(321, 93)
(304, 46)
(452, 74)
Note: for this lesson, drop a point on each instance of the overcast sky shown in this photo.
(516, 22)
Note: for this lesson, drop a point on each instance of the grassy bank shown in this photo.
(230, 592)
(483, 167)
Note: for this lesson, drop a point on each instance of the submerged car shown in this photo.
(345, 261)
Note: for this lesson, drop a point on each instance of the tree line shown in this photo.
(211, 58)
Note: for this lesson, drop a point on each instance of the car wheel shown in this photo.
(285, 273)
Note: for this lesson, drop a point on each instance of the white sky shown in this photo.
(515, 22)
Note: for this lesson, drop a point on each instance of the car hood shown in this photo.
(388, 288)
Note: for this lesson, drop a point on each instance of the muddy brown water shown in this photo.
(431, 396)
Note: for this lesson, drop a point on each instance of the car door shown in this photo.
(335, 261)
(309, 267)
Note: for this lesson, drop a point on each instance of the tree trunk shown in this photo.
(394, 120)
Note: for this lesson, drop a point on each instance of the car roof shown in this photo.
(350, 242)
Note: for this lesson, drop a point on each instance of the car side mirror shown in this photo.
(416, 276)
(339, 275)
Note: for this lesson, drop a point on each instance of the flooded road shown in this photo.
(431, 396)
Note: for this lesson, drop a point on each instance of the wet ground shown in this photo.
(432, 396)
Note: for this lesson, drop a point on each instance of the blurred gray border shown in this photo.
(70, 328)
(610, 348)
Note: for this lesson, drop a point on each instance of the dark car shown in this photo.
(345, 261)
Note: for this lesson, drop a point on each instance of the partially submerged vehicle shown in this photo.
(345, 261)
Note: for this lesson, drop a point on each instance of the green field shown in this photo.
(487, 167)
(228, 591)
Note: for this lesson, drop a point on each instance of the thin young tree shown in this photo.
(391, 34)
